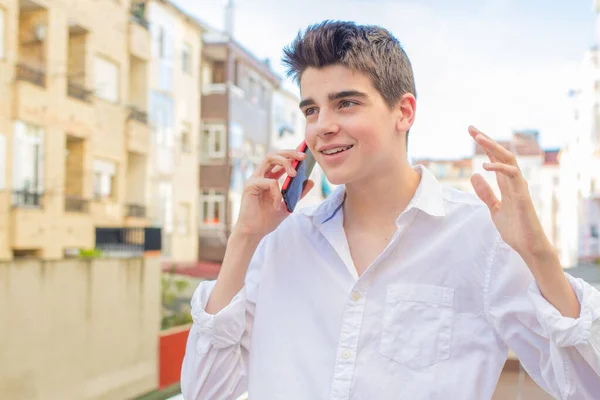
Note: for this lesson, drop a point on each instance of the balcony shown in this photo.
(138, 115)
(132, 242)
(138, 131)
(26, 199)
(77, 204)
(30, 74)
(135, 211)
(139, 33)
(79, 92)
(137, 15)
(215, 101)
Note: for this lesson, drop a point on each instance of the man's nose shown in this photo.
(327, 124)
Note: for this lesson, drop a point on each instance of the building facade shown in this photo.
(72, 134)
(580, 169)
(236, 129)
(174, 115)
(451, 173)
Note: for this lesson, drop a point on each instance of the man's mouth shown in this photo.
(336, 150)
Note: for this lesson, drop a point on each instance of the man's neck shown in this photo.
(380, 200)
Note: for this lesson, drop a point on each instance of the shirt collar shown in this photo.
(428, 198)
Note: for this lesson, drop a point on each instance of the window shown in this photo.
(161, 42)
(2, 30)
(165, 198)
(28, 158)
(104, 179)
(212, 208)
(106, 79)
(186, 58)
(183, 225)
(186, 139)
(212, 142)
(2, 161)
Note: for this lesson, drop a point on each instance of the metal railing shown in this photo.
(26, 198)
(138, 15)
(79, 92)
(138, 115)
(31, 74)
(128, 241)
(135, 210)
(76, 204)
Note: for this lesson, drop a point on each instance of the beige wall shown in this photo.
(79, 329)
(100, 123)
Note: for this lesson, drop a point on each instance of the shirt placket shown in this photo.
(348, 343)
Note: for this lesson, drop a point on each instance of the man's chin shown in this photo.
(338, 177)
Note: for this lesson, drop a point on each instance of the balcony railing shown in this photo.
(128, 241)
(138, 115)
(76, 204)
(135, 210)
(26, 198)
(79, 92)
(30, 74)
(137, 15)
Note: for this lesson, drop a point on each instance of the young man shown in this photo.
(393, 287)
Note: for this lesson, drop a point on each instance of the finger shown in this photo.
(276, 173)
(496, 150)
(509, 170)
(258, 186)
(281, 158)
(307, 187)
(474, 132)
(484, 192)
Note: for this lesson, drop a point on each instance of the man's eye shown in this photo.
(347, 103)
(309, 111)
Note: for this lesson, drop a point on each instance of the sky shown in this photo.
(500, 65)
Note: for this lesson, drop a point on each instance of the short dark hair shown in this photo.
(365, 48)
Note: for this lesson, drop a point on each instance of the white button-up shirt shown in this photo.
(433, 317)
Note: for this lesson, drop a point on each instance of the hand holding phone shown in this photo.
(294, 186)
(263, 208)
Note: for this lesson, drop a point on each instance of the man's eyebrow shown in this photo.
(334, 96)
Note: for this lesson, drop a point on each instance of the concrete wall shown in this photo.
(80, 330)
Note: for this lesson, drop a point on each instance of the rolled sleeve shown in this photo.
(222, 329)
(565, 331)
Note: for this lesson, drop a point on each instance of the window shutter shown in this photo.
(18, 156)
(41, 159)
(2, 160)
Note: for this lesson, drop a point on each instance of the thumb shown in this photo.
(484, 191)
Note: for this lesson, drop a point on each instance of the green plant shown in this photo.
(174, 311)
(87, 254)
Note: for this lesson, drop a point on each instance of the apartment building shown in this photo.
(580, 169)
(174, 115)
(451, 173)
(288, 131)
(236, 128)
(73, 140)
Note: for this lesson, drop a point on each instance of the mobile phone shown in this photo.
(293, 186)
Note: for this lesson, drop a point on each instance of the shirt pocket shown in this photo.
(417, 324)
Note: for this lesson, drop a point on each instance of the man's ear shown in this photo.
(405, 110)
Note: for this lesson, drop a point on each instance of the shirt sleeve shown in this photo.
(561, 354)
(216, 357)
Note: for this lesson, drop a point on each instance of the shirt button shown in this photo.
(355, 296)
(346, 354)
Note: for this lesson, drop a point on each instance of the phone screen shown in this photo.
(293, 191)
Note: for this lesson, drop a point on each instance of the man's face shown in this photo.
(351, 131)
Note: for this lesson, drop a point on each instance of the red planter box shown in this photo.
(172, 344)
